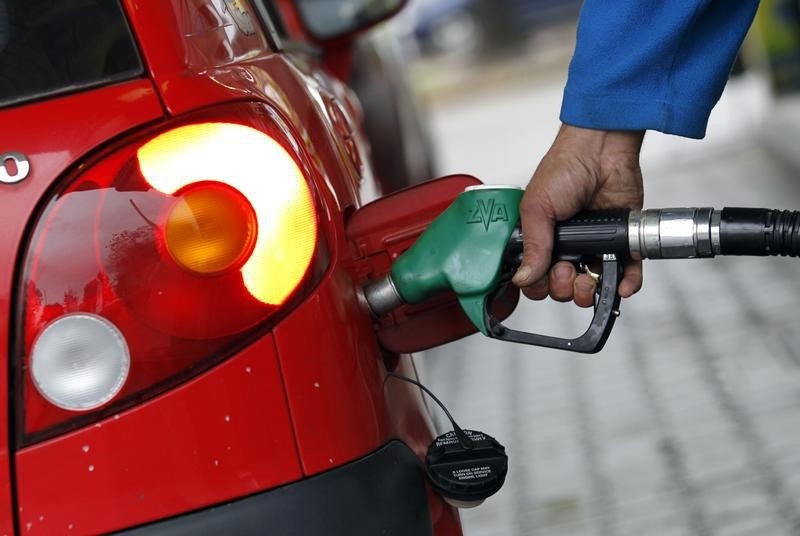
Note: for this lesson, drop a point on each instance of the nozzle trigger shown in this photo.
(592, 341)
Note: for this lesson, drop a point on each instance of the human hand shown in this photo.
(584, 169)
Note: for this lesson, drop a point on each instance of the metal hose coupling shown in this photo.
(674, 233)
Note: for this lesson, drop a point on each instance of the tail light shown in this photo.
(159, 259)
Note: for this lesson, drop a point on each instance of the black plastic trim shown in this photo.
(381, 494)
(271, 23)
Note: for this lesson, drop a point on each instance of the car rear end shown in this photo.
(184, 341)
(50, 132)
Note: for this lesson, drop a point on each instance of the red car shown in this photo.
(184, 346)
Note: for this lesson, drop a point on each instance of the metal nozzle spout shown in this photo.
(382, 296)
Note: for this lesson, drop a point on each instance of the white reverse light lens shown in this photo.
(80, 361)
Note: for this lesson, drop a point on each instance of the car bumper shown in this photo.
(383, 493)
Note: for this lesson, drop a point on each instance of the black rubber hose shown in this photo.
(760, 231)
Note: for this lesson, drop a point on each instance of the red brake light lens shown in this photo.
(186, 241)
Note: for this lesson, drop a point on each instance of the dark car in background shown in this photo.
(484, 26)
(400, 140)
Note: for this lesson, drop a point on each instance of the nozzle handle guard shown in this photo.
(606, 311)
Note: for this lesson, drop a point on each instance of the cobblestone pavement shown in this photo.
(688, 423)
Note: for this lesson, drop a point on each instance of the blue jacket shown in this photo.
(653, 64)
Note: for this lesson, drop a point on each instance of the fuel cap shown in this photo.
(466, 473)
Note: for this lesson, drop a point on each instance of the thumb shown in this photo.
(537, 242)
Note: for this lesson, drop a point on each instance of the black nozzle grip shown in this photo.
(593, 233)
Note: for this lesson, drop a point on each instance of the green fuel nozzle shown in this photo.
(462, 250)
(474, 247)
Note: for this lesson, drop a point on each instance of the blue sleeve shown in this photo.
(653, 64)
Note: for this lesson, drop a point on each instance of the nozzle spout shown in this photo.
(382, 296)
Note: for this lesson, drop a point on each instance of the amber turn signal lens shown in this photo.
(211, 229)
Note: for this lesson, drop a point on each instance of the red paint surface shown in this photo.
(74, 125)
(330, 363)
(223, 435)
(158, 459)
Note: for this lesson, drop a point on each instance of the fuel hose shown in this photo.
(678, 233)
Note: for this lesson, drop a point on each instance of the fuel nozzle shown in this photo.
(463, 250)
(474, 247)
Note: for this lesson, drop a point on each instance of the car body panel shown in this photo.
(200, 60)
(222, 435)
(332, 377)
(334, 382)
(198, 71)
(389, 499)
(87, 120)
(299, 402)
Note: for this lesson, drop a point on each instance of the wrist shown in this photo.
(599, 143)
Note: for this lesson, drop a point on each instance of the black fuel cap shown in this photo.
(466, 473)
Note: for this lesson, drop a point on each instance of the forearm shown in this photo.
(653, 64)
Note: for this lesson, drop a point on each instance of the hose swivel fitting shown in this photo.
(674, 233)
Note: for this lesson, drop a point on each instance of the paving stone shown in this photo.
(688, 423)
